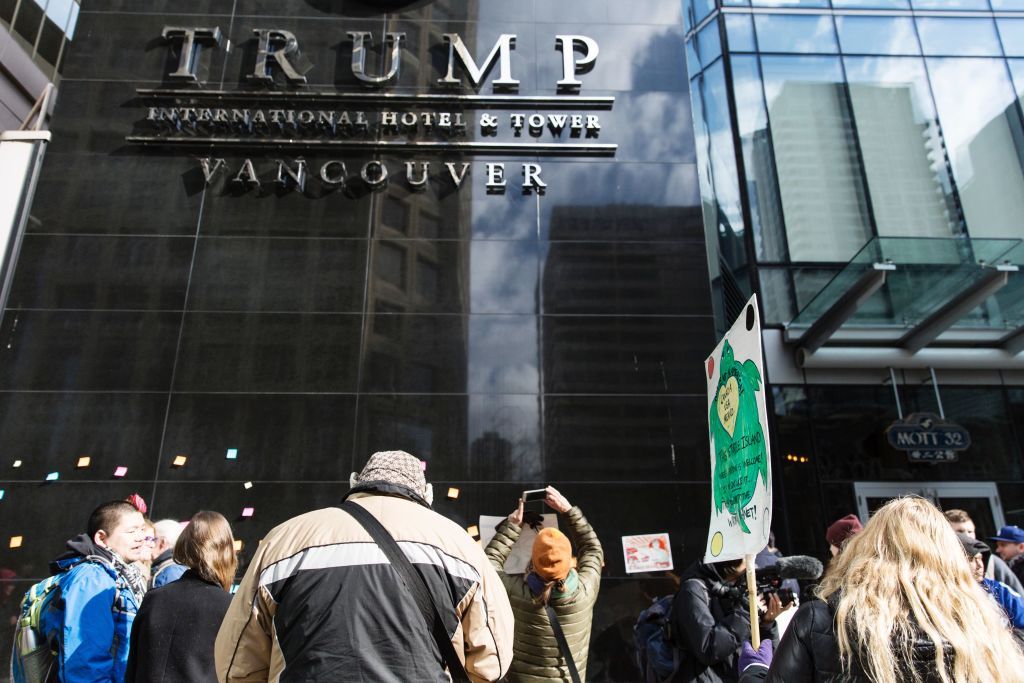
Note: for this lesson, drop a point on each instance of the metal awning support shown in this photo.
(845, 306)
(1013, 342)
(926, 331)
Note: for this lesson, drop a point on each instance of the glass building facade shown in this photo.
(274, 337)
(844, 131)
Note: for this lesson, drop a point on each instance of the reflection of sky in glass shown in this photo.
(958, 36)
(503, 354)
(63, 13)
(784, 33)
(877, 35)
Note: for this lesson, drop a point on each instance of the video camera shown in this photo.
(770, 578)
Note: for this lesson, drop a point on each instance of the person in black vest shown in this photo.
(173, 634)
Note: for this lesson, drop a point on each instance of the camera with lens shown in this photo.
(769, 582)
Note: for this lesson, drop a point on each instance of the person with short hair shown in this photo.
(841, 531)
(995, 568)
(92, 619)
(322, 602)
(552, 579)
(1010, 547)
(174, 631)
(165, 569)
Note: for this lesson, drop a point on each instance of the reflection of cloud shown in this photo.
(503, 355)
(503, 277)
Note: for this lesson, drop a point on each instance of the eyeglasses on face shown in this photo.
(149, 539)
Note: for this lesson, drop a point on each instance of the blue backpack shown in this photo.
(656, 655)
(34, 658)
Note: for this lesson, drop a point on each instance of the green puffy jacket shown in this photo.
(535, 650)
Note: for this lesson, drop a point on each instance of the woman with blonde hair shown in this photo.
(898, 604)
(174, 632)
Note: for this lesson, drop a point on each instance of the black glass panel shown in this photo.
(601, 438)
(623, 278)
(259, 438)
(52, 432)
(88, 350)
(462, 438)
(268, 352)
(114, 194)
(634, 355)
(57, 271)
(307, 275)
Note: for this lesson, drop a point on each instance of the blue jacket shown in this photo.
(166, 570)
(1011, 603)
(91, 621)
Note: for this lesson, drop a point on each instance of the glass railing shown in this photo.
(929, 273)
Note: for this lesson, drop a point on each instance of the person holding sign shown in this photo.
(710, 621)
(553, 602)
(898, 604)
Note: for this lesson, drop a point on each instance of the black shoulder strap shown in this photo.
(562, 644)
(414, 582)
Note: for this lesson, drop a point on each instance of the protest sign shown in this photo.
(647, 553)
(741, 488)
(520, 555)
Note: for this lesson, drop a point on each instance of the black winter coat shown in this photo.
(809, 653)
(174, 631)
(709, 628)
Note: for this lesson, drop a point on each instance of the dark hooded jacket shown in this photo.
(709, 625)
(809, 653)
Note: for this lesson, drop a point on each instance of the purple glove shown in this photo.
(762, 657)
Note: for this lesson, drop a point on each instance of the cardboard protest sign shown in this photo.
(520, 555)
(741, 479)
(647, 553)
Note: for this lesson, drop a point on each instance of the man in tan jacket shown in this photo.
(320, 602)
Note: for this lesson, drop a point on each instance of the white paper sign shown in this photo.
(741, 478)
(521, 551)
(647, 553)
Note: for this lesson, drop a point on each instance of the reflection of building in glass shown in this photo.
(904, 162)
(609, 283)
(818, 172)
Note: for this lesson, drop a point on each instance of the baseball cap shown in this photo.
(973, 546)
(1009, 534)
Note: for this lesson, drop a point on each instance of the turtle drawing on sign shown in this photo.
(737, 436)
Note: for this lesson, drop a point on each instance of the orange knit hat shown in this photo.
(552, 555)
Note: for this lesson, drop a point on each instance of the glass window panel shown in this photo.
(59, 11)
(736, 3)
(871, 4)
(1007, 5)
(1012, 33)
(716, 160)
(7, 10)
(978, 112)
(790, 3)
(26, 24)
(901, 147)
(762, 184)
(958, 36)
(740, 30)
(823, 197)
(72, 21)
(949, 4)
(792, 33)
(709, 43)
(696, 10)
(877, 35)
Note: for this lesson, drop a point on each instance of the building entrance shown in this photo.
(979, 499)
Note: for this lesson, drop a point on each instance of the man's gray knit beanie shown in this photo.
(398, 468)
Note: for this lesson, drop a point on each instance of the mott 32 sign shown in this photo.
(278, 112)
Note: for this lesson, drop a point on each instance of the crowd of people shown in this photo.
(382, 588)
